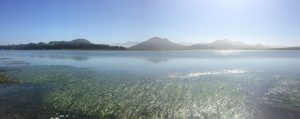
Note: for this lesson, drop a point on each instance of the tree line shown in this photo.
(60, 46)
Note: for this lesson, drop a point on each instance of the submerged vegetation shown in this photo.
(285, 94)
(86, 93)
(5, 80)
(106, 95)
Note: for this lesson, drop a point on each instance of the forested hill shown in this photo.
(77, 44)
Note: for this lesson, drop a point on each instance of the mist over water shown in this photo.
(151, 84)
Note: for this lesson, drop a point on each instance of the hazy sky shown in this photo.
(111, 21)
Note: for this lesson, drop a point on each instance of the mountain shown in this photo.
(125, 44)
(225, 45)
(157, 43)
(80, 41)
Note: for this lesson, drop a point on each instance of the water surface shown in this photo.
(151, 84)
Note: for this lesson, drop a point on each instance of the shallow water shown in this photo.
(151, 84)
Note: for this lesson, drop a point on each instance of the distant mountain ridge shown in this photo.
(154, 43)
(125, 44)
(74, 42)
(225, 45)
(157, 43)
(80, 41)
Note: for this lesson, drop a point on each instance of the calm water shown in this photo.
(151, 84)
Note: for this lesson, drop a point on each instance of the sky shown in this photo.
(270, 22)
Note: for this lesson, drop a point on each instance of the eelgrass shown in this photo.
(85, 93)
(5, 80)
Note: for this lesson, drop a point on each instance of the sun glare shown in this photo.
(235, 4)
(227, 52)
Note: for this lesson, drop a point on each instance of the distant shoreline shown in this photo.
(153, 44)
(146, 50)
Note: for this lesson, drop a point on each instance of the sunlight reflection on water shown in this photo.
(198, 74)
(227, 52)
(101, 84)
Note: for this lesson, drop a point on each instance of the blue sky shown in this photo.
(273, 22)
